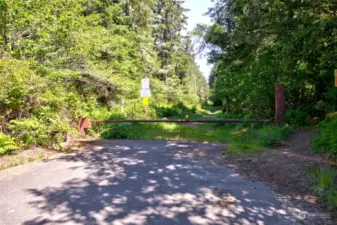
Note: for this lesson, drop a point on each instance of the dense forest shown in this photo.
(258, 44)
(63, 59)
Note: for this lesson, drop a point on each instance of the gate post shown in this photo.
(83, 124)
(280, 104)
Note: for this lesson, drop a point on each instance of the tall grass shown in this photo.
(326, 142)
(325, 184)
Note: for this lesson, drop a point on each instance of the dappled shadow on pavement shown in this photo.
(140, 182)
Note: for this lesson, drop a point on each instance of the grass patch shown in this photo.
(325, 184)
(180, 132)
(245, 148)
(270, 134)
(326, 142)
(164, 131)
(12, 164)
(247, 140)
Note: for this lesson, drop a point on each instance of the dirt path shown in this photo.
(209, 116)
(299, 146)
(284, 170)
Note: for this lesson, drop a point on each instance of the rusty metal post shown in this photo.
(83, 124)
(80, 126)
(280, 104)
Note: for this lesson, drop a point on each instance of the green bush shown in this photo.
(40, 108)
(178, 110)
(125, 131)
(20, 87)
(46, 132)
(271, 134)
(297, 117)
(326, 142)
(7, 144)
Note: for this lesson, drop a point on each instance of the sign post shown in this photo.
(145, 93)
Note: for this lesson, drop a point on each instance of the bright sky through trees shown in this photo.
(196, 15)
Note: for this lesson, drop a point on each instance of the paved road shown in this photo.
(136, 182)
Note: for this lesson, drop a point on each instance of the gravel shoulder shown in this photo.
(286, 173)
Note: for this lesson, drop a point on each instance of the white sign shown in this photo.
(145, 92)
(146, 83)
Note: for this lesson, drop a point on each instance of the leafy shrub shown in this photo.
(45, 132)
(38, 109)
(19, 88)
(270, 134)
(26, 131)
(7, 144)
(297, 116)
(326, 142)
(179, 110)
(125, 131)
(167, 111)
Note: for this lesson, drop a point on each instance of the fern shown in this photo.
(7, 144)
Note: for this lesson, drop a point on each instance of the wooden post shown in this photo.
(280, 104)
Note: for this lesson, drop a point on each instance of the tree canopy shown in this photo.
(63, 59)
(258, 44)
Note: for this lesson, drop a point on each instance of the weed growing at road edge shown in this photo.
(326, 142)
(325, 184)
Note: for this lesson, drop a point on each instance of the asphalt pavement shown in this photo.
(137, 182)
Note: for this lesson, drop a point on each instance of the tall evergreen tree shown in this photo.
(258, 44)
(81, 57)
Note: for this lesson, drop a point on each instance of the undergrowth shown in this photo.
(325, 184)
(7, 144)
(326, 142)
(241, 139)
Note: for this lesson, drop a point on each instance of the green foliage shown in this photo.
(297, 116)
(63, 59)
(7, 144)
(30, 109)
(257, 45)
(125, 131)
(271, 134)
(46, 131)
(20, 87)
(326, 142)
(325, 183)
(246, 140)
(252, 140)
(179, 110)
(245, 148)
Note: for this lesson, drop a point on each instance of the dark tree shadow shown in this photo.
(135, 182)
